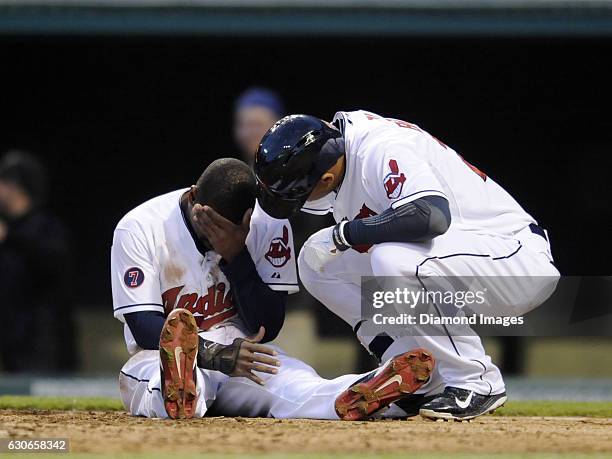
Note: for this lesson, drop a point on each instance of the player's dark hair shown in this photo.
(228, 186)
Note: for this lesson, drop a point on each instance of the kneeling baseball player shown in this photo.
(195, 273)
(406, 205)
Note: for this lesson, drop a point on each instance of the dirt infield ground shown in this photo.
(113, 432)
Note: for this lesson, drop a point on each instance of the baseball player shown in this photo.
(192, 285)
(405, 205)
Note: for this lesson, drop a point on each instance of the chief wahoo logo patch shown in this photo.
(279, 252)
(394, 181)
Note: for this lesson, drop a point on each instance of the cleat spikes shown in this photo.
(178, 352)
(376, 392)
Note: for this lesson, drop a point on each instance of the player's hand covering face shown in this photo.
(225, 237)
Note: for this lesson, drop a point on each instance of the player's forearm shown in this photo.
(420, 220)
(146, 326)
(258, 305)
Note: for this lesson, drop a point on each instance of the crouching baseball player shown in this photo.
(192, 285)
(405, 205)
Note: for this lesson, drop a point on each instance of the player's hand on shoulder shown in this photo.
(226, 238)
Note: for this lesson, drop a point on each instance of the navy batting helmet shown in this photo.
(290, 160)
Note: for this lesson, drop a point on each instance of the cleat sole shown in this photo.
(404, 374)
(178, 352)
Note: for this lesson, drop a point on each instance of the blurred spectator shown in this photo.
(36, 300)
(255, 111)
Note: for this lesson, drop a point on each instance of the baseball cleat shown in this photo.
(178, 350)
(412, 403)
(402, 375)
(461, 405)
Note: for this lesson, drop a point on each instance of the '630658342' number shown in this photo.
(32, 445)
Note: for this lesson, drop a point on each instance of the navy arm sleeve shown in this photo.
(419, 220)
(146, 327)
(257, 304)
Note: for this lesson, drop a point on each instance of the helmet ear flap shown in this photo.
(275, 206)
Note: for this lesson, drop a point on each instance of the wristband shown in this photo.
(218, 357)
(338, 237)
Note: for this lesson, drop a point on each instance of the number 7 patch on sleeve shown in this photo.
(133, 277)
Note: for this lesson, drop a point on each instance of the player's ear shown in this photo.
(192, 193)
(328, 179)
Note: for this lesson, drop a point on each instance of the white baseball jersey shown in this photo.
(156, 266)
(391, 162)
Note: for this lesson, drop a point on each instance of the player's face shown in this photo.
(329, 181)
(194, 225)
(198, 230)
(321, 189)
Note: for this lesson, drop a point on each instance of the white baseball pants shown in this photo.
(296, 391)
(461, 361)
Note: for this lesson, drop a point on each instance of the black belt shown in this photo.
(535, 229)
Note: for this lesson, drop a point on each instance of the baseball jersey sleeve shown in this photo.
(396, 176)
(321, 206)
(134, 276)
(270, 244)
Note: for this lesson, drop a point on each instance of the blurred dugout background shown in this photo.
(122, 100)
